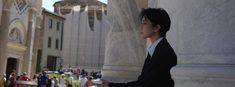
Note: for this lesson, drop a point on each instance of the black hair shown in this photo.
(157, 16)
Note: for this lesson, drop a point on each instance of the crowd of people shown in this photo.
(11, 80)
(44, 79)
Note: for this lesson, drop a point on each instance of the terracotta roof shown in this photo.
(51, 13)
(79, 2)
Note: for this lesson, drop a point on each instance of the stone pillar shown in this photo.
(125, 49)
(202, 34)
(30, 41)
(4, 33)
(20, 63)
(36, 45)
(1, 4)
(35, 19)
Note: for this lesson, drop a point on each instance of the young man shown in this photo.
(155, 22)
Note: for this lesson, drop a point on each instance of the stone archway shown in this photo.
(11, 66)
(17, 31)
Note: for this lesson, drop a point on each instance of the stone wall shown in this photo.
(84, 47)
(202, 34)
(1, 5)
(125, 49)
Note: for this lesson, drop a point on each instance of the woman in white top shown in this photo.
(83, 81)
(52, 82)
(62, 81)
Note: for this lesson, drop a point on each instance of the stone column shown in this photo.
(202, 34)
(36, 45)
(4, 33)
(125, 49)
(20, 65)
(1, 4)
(30, 40)
(37, 4)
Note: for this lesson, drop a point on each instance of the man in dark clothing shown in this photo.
(155, 22)
(43, 81)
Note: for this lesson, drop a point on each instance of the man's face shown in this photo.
(147, 29)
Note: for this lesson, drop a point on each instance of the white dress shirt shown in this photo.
(152, 47)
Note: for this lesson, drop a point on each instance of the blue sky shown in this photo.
(48, 4)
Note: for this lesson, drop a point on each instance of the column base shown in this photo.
(204, 75)
(120, 73)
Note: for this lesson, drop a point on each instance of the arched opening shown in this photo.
(11, 66)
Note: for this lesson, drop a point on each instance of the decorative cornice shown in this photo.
(204, 72)
(16, 47)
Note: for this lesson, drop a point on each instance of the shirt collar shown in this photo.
(152, 47)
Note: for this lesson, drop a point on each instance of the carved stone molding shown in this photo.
(20, 5)
(17, 31)
(15, 36)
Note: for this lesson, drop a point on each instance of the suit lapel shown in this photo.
(149, 60)
(158, 48)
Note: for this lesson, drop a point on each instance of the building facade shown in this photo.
(20, 21)
(84, 34)
(65, 6)
(51, 41)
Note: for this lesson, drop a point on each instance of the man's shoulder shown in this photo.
(165, 49)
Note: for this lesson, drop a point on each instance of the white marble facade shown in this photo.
(82, 46)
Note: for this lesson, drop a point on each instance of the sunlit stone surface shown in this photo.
(125, 50)
(84, 45)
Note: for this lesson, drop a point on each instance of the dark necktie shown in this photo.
(146, 63)
(148, 58)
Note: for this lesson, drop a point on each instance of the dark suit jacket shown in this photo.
(156, 70)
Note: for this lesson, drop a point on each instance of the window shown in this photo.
(50, 23)
(21, 5)
(91, 22)
(58, 26)
(57, 44)
(62, 34)
(49, 42)
(91, 19)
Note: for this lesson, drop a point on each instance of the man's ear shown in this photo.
(157, 28)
